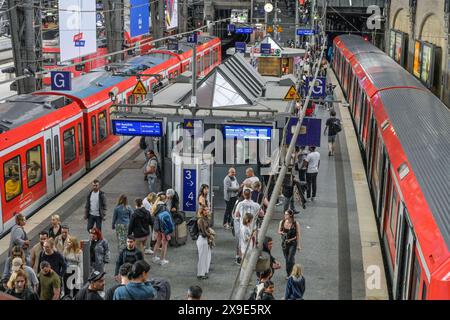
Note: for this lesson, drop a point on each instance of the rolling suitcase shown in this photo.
(179, 236)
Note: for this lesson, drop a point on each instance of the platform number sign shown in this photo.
(189, 190)
(60, 80)
(319, 86)
(192, 38)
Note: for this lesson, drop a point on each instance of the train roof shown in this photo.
(422, 123)
(21, 109)
(99, 79)
(420, 120)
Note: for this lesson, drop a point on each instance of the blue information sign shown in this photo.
(231, 27)
(139, 17)
(137, 128)
(189, 190)
(319, 87)
(305, 32)
(61, 80)
(310, 132)
(192, 38)
(241, 47)
(266, 48)
(244, 30)
(247, 132)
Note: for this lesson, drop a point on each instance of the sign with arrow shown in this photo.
(292, 94)
(189, 190)
(139, 89)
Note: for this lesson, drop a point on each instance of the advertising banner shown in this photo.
(398, 47)
(171, 14)
(239, 16)
(427, 54)
(417, 58)
(139, 17)
(392, 44)
(77, 28)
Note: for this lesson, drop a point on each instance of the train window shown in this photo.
(80, 139)
(56, 150)
(93, 131)
(69, 145)
(34, 166)
(393, 217)
(130, 99)
(102, 127)
(111, 131)
(48, 150)
(13, 178)
(415, 280)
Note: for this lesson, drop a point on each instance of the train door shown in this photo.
(405, 245)
(53, 161)
(1, 218)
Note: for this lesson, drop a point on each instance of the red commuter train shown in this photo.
(48, 139)
(404, 136)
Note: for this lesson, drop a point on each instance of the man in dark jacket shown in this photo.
(130, 254)
(91, 291)
(54, 258)
(95, 208)
(140, 223)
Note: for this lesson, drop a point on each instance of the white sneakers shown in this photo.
(164, 262)
(148, 251)
(159, 261)
(156, 259)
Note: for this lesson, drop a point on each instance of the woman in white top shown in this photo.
(73, 279)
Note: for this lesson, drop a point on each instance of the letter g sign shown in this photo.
(60, 80)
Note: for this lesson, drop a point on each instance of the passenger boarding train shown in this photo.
(404, 136)
(48, 140)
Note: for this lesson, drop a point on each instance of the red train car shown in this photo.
(404, 136)
(48, 139)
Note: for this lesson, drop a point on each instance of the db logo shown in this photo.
(78, 40)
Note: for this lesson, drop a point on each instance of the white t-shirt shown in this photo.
(147, 205)
(246, 206)
(95, 204)
(313, 162)
(251, 180)
(246, 232)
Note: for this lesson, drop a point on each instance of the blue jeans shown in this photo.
(97, 220)
(151, 180)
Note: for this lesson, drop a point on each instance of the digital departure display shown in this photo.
(247, 132)
(137, 128)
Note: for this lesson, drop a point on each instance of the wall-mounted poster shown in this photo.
(392, 44)
(427, 63)
(171, 14)
(417, 59)
(399, 47)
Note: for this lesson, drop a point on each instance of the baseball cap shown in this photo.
(96, 275)
(16, 264)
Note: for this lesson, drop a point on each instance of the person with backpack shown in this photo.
(333, 126)
(130, 254)
(150, 170)
(163, 226)
(203, 244)
(139, 287)
(140, 223)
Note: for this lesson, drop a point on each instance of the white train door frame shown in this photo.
(57, 170)
(49, 162)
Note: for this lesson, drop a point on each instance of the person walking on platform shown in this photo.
(203, 244)
(150, 170)
(312, 164)
(95, 208)
(124, 272)
(333, 126)
(139, 287)
(73, 278)
(61, 240)
(289, 229)
(130, 254)
(99, 250)
(140, 223)
(148, 203)
(36, 251)
(288, 192)
(19, 236)
(49, 283)
(55, 228)
(18, 286)
(230, 191)
(295, 287)
(56, 259)
(121, 220)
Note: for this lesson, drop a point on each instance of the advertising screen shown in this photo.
(392, 44)
(427, 55)
(417, 59)
(398, 47)
(171, 14)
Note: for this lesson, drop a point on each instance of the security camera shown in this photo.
(113, 93)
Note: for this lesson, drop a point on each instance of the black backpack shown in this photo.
(142, 143)
(193, 228)
(337, 127)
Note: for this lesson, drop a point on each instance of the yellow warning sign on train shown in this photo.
(189, 125)
(139, 88)
(292, 94)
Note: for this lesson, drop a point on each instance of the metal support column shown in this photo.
(296, 23)
(114, 26)
(194, 77)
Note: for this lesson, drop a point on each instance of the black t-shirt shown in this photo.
(331, 126)
(56, 260)
(110, 292)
